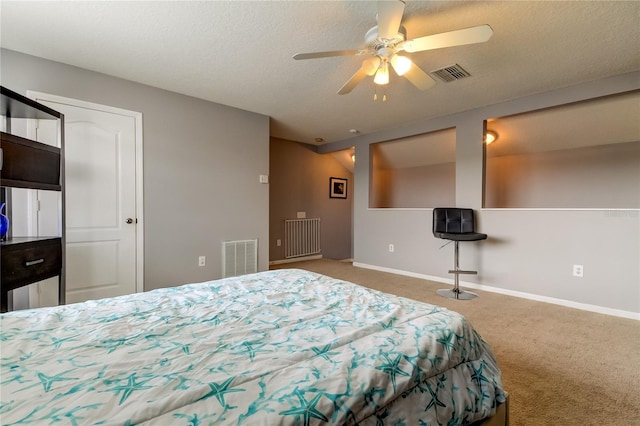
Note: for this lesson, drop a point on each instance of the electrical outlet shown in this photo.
(578, 271)
(391, 248)
(202, 261)
(278, 242)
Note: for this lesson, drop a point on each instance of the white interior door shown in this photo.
(102, 215)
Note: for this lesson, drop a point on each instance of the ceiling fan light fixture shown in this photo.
(401, 64)
(371, 65)
(382, 75)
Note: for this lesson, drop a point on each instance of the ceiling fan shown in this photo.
(385, 41)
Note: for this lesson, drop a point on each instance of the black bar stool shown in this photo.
(456, 225)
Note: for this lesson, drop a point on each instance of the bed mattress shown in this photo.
(276, 347)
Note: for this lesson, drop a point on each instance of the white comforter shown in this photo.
(278, 347)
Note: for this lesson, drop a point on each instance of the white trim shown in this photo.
(400, 209)
(513, 209)
(137, 118)
(564, 209)
(520, 294)
(295, 259)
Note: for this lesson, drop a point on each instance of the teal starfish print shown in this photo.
(128, 388)
(447, 342)
(388, 325)
(185, 348)
(112, 344)
(83, 385)
(251, 350)
(220, 389)
(75, 363)
(392, 368)
(109, 318)
(214, 319)
(324, 352)
(307, 409)
(48, 381)
(330, 323)
(58, 342)
(154, 336)
(477, 376)
(71, 416)
(287, 304)
(334, 305)
(434, 402)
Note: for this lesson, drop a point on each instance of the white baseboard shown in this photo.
(295, 259)
(520, 294)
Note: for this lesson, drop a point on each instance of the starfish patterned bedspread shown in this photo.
(276, 347)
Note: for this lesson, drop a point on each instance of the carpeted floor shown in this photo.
(560, 366)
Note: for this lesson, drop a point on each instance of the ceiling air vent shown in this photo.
(451, 73)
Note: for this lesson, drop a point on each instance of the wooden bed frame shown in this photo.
(501, 418)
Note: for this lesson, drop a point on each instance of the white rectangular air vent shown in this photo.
(451, 73)
(239, 257)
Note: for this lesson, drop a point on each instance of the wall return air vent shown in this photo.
(451, 73)
(239, 257)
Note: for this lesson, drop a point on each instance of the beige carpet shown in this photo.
(560, 366)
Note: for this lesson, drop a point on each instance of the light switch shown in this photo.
(264, 178)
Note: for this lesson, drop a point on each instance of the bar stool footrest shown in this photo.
(461, 271)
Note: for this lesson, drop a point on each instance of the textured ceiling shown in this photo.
(239, 53)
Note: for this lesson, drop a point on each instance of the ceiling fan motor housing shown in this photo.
(377, 44)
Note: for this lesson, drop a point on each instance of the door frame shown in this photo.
(139, 201)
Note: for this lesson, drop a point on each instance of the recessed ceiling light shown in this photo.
(354, 131)
(319, 140)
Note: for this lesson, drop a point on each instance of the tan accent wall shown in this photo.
(299, 182)
(605, 176)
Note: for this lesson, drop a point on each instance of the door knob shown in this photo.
(129, 220)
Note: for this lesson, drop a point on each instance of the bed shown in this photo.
(274, 348)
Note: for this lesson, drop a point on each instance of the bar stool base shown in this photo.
(456, 294)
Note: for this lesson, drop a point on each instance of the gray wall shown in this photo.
(299, 182)
(529, 251)
(202, 163)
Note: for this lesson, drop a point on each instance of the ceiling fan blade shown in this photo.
(368, 68)
(328, 54)
(471, 35)
(389, 18)
(353, 82)
(419, 78)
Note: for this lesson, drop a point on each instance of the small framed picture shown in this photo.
(337, 187)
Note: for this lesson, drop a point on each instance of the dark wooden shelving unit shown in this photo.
(25, 163)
